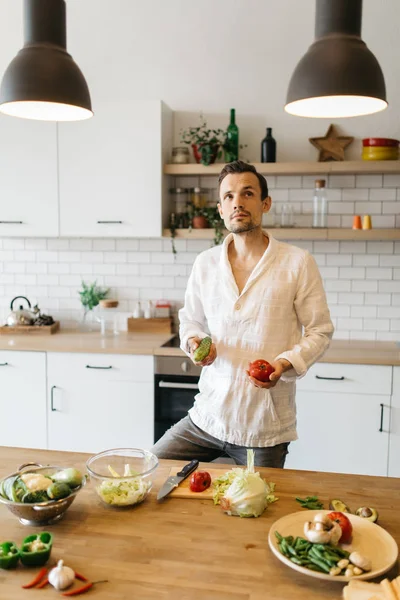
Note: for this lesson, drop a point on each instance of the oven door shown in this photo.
(173, 396)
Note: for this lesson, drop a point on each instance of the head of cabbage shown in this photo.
(243, 492)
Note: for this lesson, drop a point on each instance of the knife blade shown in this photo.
(174, 480)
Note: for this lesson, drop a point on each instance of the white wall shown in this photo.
(212, 55)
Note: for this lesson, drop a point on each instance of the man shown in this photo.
(258, 299)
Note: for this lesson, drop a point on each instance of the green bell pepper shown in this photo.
(35, 550)
(9, 555)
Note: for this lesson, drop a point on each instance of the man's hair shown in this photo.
(238, 166)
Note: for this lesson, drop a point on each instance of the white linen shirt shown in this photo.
(281, 313)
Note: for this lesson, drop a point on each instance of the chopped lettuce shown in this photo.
(123, 492)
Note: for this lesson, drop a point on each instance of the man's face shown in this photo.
(240, 204)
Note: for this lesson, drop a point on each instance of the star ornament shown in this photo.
(331, 146)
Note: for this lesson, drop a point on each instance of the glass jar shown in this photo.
(180, 205)
(287, 215)
(180, 155)
(199, 197)
(320, 208)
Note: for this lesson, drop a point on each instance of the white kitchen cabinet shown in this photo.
(111, 170)
(343, 416)
(23, 399)
(28, 178)
(394, 437)
(99, 401)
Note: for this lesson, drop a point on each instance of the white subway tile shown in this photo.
(104, 269)
(115, 280)
(380, 247)
(378, 273)
(346, 221)
(13, 244)
(176, 294)
(127, 245)
(384, 336)
(302, 220)
(391, 181)
(366, 260)
(47, 279)
(341, 208)
(383, 221)
(395, 324)
(389, 311)
(279, 195)
(36, 267)
(387, 260)
(355, 195)
(364, 286)
(326, 247)
(395, 299)
(398, 193)
(363, 335)
(369, 181)
(332, 298)
(396, 274)
(338, 259)
(150, 245)
(352, 272)
(389, 286)
(163, 258)
(53, 244)
(72, 280)
(320, 259)
(339, 311)
(140, 281)
(368, 208)
(57, 268)
(38, 291)
(382, 194)
(13, 267)
(138, 257)
(334, 195)
(59, 292)
(180, 245)
(308, 181)
(35, 244)
(50, 304)
(307, 208)
(296, 195)
(391, 208)
(306, 245)
(352, 323)
(151, 269)
(69, 257)
(288, 181)
(186, 259)
(25, 279)
(341, 335)
(188, 182)
(364, 311)
(93, 258)
(197, 245)
(175, 270)
(7, 279)
(342, 181)
(80, 244)
(353, 247)
(128, 269)
(377, 299)
(115, 257)
(376, 324)
(47, 256)
(329, 272)
(151, 293)
(351, 298)
(25, 256)
(103, 244)
(337, 285)
(70, 303)
(181, 282)
(81, 268)
(397, 220)
(163, 282)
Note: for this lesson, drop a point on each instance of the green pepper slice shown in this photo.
(9, 555)
(35, 550)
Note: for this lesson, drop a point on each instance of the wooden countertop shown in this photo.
(340, 351)
(186, 549)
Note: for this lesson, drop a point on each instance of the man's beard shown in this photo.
(241, 227)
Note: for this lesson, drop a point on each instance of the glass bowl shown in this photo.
(39, 513)
(122, 476)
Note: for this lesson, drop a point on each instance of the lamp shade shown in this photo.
(338, 76)
(43, 82)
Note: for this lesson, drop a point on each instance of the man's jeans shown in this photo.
(186, 441)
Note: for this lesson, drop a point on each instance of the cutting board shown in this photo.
(183, 489)
(30, 329)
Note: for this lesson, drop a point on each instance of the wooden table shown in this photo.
(185, 549)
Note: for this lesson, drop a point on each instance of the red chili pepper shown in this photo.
(83, 589)
(42, 584)
(36, 580)
(81, 577)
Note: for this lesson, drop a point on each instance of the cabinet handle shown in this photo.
(90, 367)
(52, 398)
(178, 386)
(3, 364)
(382, 409)
(11, 222)
(331, 378)
(109, 222)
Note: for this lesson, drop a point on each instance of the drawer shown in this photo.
(92, 368)
(356, 379)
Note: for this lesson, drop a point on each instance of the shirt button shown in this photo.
(238, 307)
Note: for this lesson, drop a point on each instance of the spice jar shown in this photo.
(199, 197)
(179, 202)
(180, 155)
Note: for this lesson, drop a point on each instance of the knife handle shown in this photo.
(189, 468)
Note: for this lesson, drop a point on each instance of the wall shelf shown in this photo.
(301, 233)
(349, 167)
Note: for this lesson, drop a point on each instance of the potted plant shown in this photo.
(206, 143)
(91, 294)
(208, 216)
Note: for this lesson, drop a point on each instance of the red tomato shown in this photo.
(261, 370)
(345, 525)
(200, 481)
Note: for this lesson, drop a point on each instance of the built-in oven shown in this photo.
(176, 381)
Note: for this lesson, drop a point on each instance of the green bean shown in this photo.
(320, 563)
(291, 550)
(295, 560)
(278, 536)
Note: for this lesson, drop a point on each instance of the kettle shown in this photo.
(21, 316)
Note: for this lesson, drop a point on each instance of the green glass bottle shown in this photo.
(232, 140)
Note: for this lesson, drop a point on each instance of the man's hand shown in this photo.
(194, 343)
(280, 366)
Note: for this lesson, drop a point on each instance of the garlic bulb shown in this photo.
(61, 577)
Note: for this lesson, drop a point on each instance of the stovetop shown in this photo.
(174, 343)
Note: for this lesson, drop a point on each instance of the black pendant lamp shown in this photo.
(338, 76)
(43, 82)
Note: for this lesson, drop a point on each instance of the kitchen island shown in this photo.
(186, 549)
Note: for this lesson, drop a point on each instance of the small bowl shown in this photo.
(40, 513)
(115, 488)
(380, 142)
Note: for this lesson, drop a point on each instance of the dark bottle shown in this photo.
(232, 140)
(268, 148)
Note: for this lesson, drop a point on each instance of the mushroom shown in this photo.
(336, 533)
(316, 536)
(360, 561)
(323, 530)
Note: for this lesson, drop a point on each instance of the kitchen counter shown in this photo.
(340, 351)
(186, 549)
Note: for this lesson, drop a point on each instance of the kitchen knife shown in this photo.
(174, 480)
